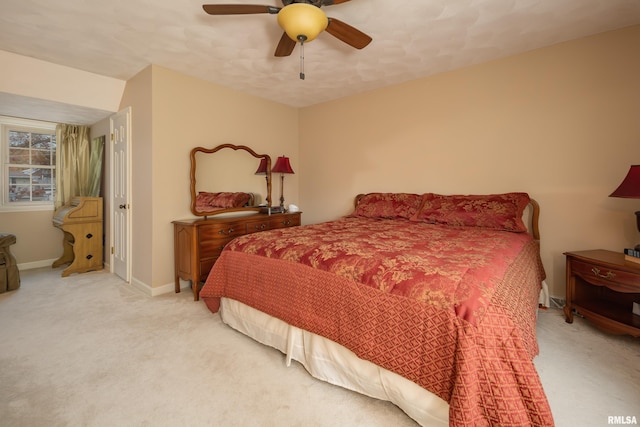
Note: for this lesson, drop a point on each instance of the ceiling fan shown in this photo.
(301, 20)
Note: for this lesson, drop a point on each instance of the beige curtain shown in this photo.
(95, 166)
(76, 167)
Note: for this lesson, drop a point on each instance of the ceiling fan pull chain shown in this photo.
(301, 59)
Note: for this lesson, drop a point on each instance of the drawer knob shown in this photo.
(610, 275)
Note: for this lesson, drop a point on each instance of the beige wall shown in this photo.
(561, 123)
(21, 75)
(38, 242)
(171, 114)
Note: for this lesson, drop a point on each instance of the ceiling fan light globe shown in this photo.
(301, 19)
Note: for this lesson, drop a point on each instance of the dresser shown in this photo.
(199, 242)
(602, 286)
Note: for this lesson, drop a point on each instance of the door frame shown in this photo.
(112, 208)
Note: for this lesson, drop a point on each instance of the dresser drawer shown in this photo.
(205, 268)
(213, 248)
(595, 274)
(286, 221)
(221, 231)
(255, 226)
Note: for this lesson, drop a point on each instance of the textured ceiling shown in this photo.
(411, 39)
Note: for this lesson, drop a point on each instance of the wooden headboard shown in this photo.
(532, 225)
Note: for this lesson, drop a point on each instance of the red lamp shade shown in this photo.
(262, 167)
(282, 165)
(630, 187)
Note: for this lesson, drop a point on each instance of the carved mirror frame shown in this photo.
(212, 151)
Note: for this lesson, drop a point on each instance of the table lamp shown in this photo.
(630, 189)
(282, 166)
(263, 168)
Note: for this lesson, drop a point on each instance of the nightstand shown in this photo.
(602, 287)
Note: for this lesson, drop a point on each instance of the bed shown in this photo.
(428, 301)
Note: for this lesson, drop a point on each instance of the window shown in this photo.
(29, 161)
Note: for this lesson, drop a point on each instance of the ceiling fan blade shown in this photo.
(348, 34)
(238, 9)
(285, 46)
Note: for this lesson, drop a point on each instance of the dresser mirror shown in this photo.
(229, 169)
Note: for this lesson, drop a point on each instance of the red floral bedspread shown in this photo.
(451, 308)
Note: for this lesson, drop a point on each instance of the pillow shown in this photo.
(496, 211)
(387, 205)
(222, 200)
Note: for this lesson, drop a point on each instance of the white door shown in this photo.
(121, 194)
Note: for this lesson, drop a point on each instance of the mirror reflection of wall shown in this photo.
(230, 170)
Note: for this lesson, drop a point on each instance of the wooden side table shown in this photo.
(602, 286)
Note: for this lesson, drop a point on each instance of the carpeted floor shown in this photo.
(88, 350)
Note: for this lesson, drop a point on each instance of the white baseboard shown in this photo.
(36, 264)
(160, 290)
(141, 286)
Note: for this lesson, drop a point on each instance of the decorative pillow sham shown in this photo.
(221, 200)
(388, 205)
(495, 211)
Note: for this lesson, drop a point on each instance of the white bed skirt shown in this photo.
(544, 299)
(335, 364)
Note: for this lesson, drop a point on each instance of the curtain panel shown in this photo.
(95, 165)
(78, 163)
